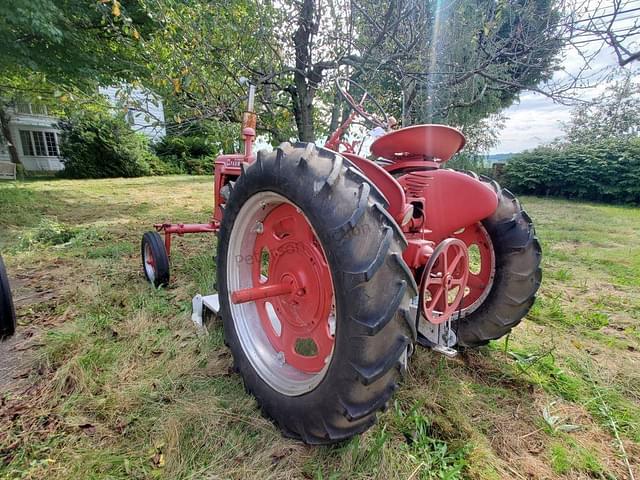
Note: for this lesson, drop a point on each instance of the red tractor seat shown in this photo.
(429, 142)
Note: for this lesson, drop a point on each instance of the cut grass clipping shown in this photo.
(122, 386)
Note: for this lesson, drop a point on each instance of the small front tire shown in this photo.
(155, 261)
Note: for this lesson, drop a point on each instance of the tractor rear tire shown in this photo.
(7, 309)
(372, 290)
(517, 273)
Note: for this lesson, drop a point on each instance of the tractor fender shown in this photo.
(388, 186)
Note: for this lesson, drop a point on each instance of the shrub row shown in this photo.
(194, 155)
(606, 171)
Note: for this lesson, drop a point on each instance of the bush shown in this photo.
(190, 154)
(104, 146)
(469, 161)
(606, 171)
(185, 147)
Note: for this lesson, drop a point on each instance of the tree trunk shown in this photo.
(304, 91)
(6, 133)
(335, 113)
(408, 96)
(303, 112)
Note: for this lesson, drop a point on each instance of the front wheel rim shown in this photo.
(285, 305)
(149, 262)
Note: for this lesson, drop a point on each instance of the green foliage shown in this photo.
(573, 457)
(48, 232)
(613, 115)
(181, 147)
(193, 154)
(607, 171)
(62, 50)
(469, 161)
(466, 67)
(423, 443)
(103, 146)
(71, 41)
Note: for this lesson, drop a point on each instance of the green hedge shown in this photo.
(193, 154)
(103, 146)
(607, 171)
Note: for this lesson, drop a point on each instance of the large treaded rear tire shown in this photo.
(517, 272)
(373, 288)
(7, 309)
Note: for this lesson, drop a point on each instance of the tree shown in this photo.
(459, 63)
(613, 115)
(202, 50)
(614, 25)
(63, 48)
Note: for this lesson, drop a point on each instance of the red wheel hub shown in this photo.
(444, 280)
(482, 270)
(295, 301)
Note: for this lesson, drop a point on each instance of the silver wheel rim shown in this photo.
(148, 267)
(265, 360)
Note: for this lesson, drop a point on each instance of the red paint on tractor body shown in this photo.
(481, 275)
(451, 200)
(417, 252)
(227, 168)
(387, 185)
(444, 279)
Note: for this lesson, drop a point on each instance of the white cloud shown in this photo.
(536, 119)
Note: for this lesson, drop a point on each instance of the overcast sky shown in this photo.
(536, 119)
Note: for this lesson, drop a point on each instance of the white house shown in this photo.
(37, 137)
(145, 111)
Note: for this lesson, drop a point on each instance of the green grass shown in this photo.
(125, 388)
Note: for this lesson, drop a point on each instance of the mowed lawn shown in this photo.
(112, 380)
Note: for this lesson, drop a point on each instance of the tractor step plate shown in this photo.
(446, 351)
(201, 307)
(441, 338)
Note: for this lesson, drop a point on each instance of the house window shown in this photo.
(24, 108)
(38, 109)
(27, 146)
(31, 108)
(52, 144)
(43, 144)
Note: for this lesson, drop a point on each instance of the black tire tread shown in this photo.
(7, 308)
(160, 257)
(371, 336)
(517, 277)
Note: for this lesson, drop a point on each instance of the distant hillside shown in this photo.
(498, 157)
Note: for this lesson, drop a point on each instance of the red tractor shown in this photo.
(331, 266)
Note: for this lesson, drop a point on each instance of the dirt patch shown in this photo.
(16, 358)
